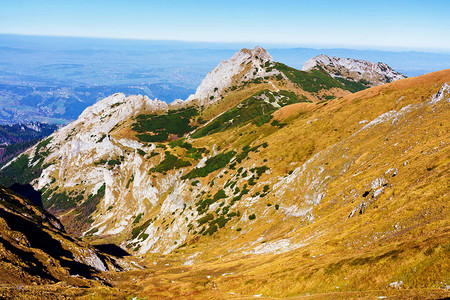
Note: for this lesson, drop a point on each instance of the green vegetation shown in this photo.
(138, 218)
(205, 219)
(277, 124)
(156, 128)
(219, 195)
(203, 206)
(170, 162)
(114, 162)
(215, 224)
(141, 152)
(100, 162)
(153, 154)
(259, 170)
(186, 146)
(252, 217)
(244, 191)
(256, 109)
(16, 148)
(110, 163)
(317, 79)
(180, 143)
(139, 231)
(212, 164)
(245, 151)
(41, 145)
(117, 104)
(130, 180)
(62, 201)
(261, 120)
(101, 138)
(89, 206)
(23, 170)
(196, 153)
(82, 206)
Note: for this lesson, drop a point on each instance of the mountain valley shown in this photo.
(331, 181)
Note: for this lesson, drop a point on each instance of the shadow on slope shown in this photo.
(29, 192)
(112, 249)
(39, 239)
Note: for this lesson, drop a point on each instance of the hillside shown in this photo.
(288, 184)
(108, 157)
(35, 248)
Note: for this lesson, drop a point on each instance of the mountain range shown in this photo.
(267, 181)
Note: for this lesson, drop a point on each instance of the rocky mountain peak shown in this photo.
(354, 69)
(121, 106)
(245, 65)
(257, 52)
(90, 132)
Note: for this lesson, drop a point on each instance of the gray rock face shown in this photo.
(354, 69)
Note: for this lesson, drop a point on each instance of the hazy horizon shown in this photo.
(243, 44)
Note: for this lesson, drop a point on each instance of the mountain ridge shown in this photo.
(374, 73)
(245, 65)
(109, 113)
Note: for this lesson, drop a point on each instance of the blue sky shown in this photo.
(394, 24)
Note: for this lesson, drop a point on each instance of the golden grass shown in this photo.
(403, 234)
(363, 252)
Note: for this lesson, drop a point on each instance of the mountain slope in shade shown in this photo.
(35, 248)
(357, 70)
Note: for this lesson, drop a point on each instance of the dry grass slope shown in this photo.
(392, 174)
(356, 205)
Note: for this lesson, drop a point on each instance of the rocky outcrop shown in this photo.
(367, 72)
(245, 65)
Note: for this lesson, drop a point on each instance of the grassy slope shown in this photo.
(402, 235)
(364, 252)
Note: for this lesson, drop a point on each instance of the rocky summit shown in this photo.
(246, 65)
(268, 181)
(361, 71)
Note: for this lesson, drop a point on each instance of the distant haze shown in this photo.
(53, 79)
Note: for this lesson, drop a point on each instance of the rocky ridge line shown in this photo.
(355, 69)
(245, 65)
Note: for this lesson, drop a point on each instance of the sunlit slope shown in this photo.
(357, 204)
(285, 191)
(365, 208)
